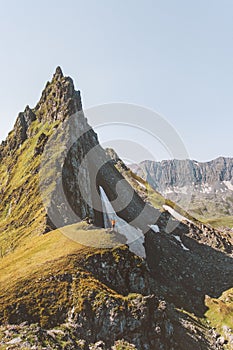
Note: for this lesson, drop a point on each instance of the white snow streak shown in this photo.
(155, 228)
(176, 215)
(182, 245)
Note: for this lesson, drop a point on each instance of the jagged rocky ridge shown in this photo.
(204, 188)
(144, 318)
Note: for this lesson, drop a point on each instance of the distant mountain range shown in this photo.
(205, 189)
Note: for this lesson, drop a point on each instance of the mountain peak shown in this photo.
(58, 73)
(59, 98)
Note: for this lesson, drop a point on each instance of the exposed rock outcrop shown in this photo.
(19, 134)
(59, 99)
(186, 270)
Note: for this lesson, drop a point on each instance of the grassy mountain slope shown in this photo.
(220, 222)
(40, 257)
(52, 282)
(21, 210)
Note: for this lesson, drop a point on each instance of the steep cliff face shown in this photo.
(49, 153)
(203, 188)
(182, 173)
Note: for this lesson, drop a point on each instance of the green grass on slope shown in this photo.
(21, 210)
(226, 221)
(220, 315)
(221, 310)
(36, 251)
(27, 274)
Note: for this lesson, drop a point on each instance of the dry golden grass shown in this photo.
(37, 251)
(221, 310)
(25, 279)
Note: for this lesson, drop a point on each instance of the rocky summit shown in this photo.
(71, 281)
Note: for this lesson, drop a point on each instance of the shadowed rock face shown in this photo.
(86, 163)
(102, 172)
(186, 276)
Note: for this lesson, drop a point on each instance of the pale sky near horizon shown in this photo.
(174, 57)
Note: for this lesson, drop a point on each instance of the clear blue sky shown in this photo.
(175, 57)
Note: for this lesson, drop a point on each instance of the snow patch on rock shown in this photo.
(155, 228)
(181, 243)
(140, 184)
(229, 185)
(174, 213)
